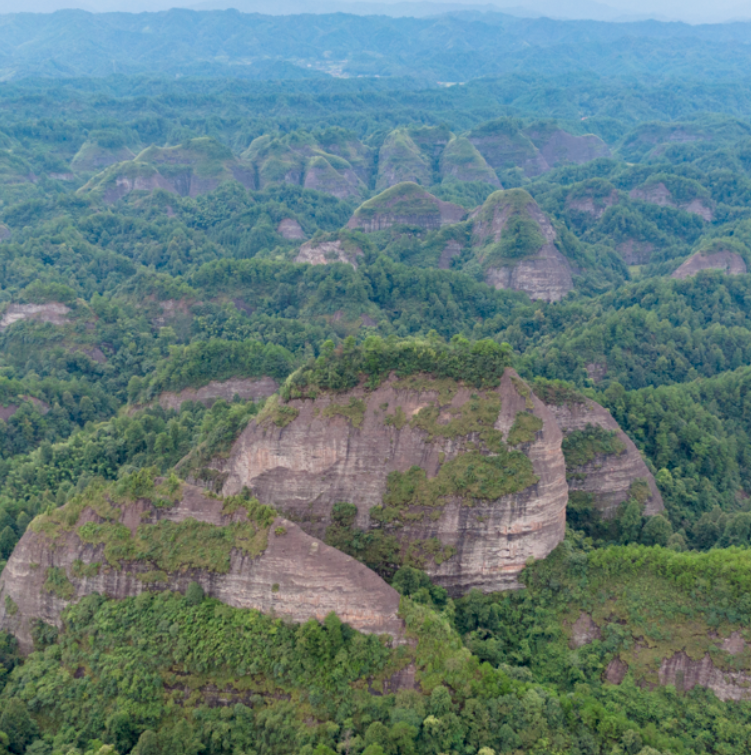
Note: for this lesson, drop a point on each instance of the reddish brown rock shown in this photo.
(730, 263)
(616, 671)
(608, 478)
(542, 273)
(685, 673)
(323, 457)
(296, 576)
(659, 194)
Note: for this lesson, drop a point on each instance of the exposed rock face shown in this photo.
(503, 146)
(460, 161)
(726, 261)
(324, 456)
(94, 157)
(685, 674)
(635, 252)
(400, 160)
(246, 388)
(594, 206)
(344, 183)
(541, 272)
(405, 203)
(607, 477)
(296, 576)
(6, 412)
(584, 631)
(558, 147)
(195, 168)
(52, 312)
(325, 252)
(290, 229)
(659, 194)
(451, 250)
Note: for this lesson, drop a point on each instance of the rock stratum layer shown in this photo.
(608, 476)
(251, 389)
(516, 245)
(730, 263)
(471, 483)
(274, 568)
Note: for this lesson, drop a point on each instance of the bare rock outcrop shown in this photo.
(504, 146)
(584, 631)
(685, 674)
(400, 160)
(326, 252)
(251, 389)
(592, 197)
(608, 476)
(405, 203)
(730, 263)
(460, 161)
(559, 147)
(53, 312)
(659, 194)
(340, 180)
(291, 574)
(396, 453)
(290, 229)
(515, 243)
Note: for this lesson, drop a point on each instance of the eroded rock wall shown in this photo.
(296, 576)
(323, 457)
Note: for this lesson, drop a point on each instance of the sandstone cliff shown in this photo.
(400, 160)
(193, 168)
(504, 146)
(239, 554)
(405, 203)
(470, 483)
(559, 147)
(730, 263)
(601, 459)
(592, 197)
(290, 229)
(515, 243)
(656, 192)
(251, 389)
(460, 161)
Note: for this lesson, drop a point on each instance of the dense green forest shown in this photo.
(157, 234)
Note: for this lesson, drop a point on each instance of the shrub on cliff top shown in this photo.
(480, 364)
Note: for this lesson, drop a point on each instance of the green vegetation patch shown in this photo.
(57, 583)
(275, 413)
(354, 411)
(557, 393)
(420, 553)
(470, 476)
(582, 446)
(403, 199)
(525, 428)
(479, 363)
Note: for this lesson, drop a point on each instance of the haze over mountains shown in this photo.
(448, 48)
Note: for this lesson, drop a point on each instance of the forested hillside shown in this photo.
(297, 377)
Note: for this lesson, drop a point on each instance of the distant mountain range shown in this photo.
(448, 48)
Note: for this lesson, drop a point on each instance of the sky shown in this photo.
(690, 11)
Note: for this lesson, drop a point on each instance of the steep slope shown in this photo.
(715, 258)
(674, 191)
(466, 483)
(94, 156)
(405, 203)
(123, 542)
(515, 243)
(400, 160)
(460, 161)
(504, 146)
(558, 147)
(195, 167)
(333, 163)
(601, 460)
